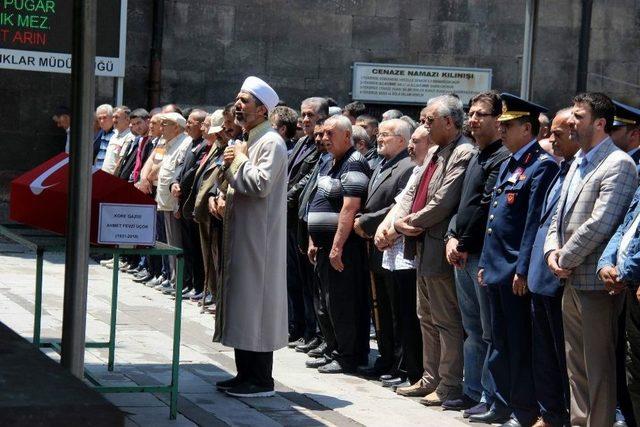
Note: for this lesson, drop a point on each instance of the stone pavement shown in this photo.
(143, 356)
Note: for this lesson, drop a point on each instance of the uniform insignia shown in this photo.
(543, 157)
(522, 177)
(511, 198)
(527, 158)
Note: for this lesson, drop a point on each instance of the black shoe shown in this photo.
(512, 423)
(480, 408)
(459, 404)
(490, 417)
(316, 363)
(228, 384)
(295, 343)
(318, 351)
(250, 390)
(308, 346)
(334, 367)
(392, 381)
(371, 371)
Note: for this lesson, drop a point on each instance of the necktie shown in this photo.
(422, 193)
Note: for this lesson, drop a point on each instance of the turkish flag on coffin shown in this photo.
(39, 197)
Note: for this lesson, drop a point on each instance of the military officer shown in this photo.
(514, 217)
(626, 130)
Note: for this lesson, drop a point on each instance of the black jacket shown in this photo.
(469, 223)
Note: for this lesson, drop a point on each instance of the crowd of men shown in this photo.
(495, 251)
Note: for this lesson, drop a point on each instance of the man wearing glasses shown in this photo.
(464, 244)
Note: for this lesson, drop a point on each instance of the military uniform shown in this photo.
(514, 217)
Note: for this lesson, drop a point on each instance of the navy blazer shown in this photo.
(514, 215)
(540, 279)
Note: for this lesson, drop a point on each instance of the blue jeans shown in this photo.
(476, 320)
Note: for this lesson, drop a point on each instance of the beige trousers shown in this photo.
(590, 320)
(442, 334)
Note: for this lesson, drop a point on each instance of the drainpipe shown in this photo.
(527, 49)
(583, 47)
(155, 66)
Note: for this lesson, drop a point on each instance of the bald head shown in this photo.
(562, 145)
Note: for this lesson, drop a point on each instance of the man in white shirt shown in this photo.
(121, 138)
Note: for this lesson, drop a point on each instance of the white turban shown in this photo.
(261, 90)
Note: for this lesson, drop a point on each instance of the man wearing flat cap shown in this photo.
(252, 305)
(514, 218)
(594, 198)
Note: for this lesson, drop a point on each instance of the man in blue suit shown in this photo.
(549, 365)
(619, 269)
(514, 217)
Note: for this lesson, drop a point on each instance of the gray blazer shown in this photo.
(442, 201)
(582, 229)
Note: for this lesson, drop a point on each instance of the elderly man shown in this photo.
(120, 140)
(387, 180)
(171, 153)
(424, 213)
(339, 254)
(403, 270)
(303, 328)
(252, 310)
(549, 364)
(391, 114)
(180, 188)
(464, 244)
(594, 198)
(104, 115)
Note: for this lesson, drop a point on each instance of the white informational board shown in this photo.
(415, 84)
(126, 224)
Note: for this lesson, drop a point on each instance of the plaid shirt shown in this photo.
(584, 223)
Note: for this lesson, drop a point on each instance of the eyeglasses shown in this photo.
(479, 114)
(386, 134)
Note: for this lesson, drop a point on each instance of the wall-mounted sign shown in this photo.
(35, 35)
(127, 224)
(415, 84)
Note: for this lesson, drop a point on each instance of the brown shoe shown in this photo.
(437, 397)
(419, 389)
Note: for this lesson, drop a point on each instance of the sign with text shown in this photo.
(35, 35)
(127, 224)
(415, 84)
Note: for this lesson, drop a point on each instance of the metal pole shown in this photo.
(155, 67)
(527, 53)
(119, 90)
(583, 47)
(79, 206)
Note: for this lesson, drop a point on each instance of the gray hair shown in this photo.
(410, 121)
(449, 106)
(341, 122)
(359, 134)
(107, 108)
(400, 127)
(321, 105)
(391, 114)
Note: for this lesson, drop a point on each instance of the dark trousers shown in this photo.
(408, 325)
(344, 296)
(632, 345)
(385, 316)
(302, 319)
(510, 360)
(159, 265)
(549, 363)
(193, 264)
(255, 367)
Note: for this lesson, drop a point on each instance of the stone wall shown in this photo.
(306, 48)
